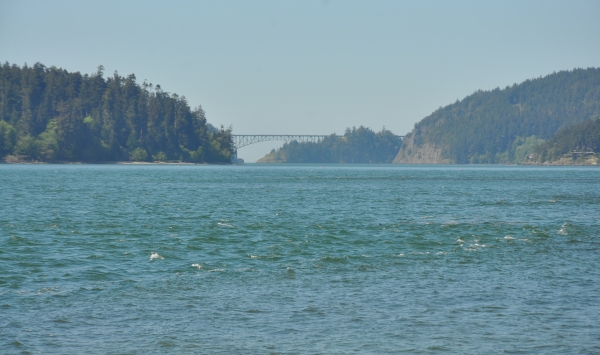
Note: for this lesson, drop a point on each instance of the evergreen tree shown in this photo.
(50, 114)
(485, 126)
(358, 145)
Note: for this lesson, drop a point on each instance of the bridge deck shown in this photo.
(242, 140)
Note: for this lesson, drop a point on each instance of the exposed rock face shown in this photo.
(410, 153)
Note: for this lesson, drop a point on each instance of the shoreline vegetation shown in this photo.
(551, 120)
(11, 159)
(357, 146)
(591, 160)
(51, 115)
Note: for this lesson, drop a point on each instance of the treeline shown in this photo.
(575, 141)
(358, 145)
(49, 114)
(488, 126)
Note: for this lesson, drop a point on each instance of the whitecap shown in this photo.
(156, 256)
(197, 266)
(508, 237)
(563, 229)
(225, 225)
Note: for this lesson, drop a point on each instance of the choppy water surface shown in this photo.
(299, 259)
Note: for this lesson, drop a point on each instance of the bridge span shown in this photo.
(242, 140)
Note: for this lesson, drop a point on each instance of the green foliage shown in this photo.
(47, 142)
(583, 137)
(160, 156)
(139, 154)
(88, 120)
(486, 127)
(524, 148)
(358, 145)
(8, 138)
(27, 146)
(221, 145)
(50, 114)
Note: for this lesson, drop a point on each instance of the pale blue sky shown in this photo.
(308, 67)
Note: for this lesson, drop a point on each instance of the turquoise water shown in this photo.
(300, 259)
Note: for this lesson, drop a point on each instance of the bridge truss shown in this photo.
(242, 140)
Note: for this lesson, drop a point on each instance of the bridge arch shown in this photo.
(242, 140)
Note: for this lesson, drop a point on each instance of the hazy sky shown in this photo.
(308, 67)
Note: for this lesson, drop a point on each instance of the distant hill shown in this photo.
(498, 126)
(50, 114)
(358, 145)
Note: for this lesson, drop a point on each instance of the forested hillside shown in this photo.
(493, 126)
(358, 145)
(49, 114)
(578, 141)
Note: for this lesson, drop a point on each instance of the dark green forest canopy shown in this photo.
(486, 126)
(358, 145)
(50, 114)
(582, 137)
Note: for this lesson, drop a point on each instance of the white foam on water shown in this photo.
(563, 230)
(508, 237)
(225, 225)
(197, 266)
(156, 256)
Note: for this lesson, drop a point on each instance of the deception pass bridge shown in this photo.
(242, 140)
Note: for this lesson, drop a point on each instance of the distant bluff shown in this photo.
(490, 126)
